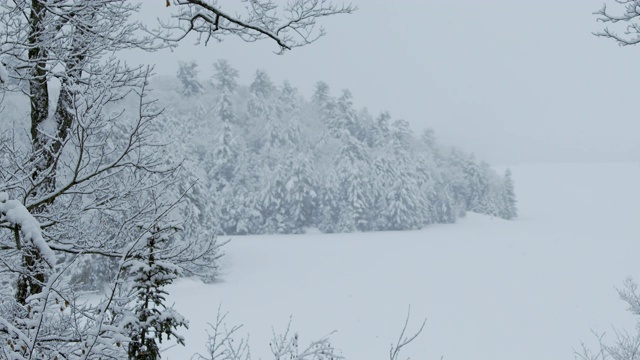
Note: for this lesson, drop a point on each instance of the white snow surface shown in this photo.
(528, 289)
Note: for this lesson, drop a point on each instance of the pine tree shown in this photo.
(225, 79)
(510, 210)
(323, 103)
(345, 118)
(225, 158)
(301, 196)
(400, 135)
(151, 320)
(329, 205)
(382, 129)
(273, 205)
(261, 102)
(355, 189)
(288, 113)
(426, 177)
(403, 210)
(188, 76)
(267, 136)
(383, 172)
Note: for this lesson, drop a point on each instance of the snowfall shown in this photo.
(529, 289)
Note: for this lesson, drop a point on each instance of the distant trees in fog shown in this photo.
(274, 162)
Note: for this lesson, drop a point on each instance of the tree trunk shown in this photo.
(30, 281)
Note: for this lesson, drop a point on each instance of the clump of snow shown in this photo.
(17, 214)
(49, 126)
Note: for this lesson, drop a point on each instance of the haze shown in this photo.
(512, 81)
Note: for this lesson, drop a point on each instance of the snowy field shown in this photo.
(529, 289)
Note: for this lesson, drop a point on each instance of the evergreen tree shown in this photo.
(403, 210)
(355, 189)
(225, 78)
(188, 76)
(225, 157)
(261, 102)
(383, 171)
(301, 197)
(267, 136)
(426, 178)
(510, 210)
(344, 119)
(151, 320)
(273, 207)
(382, 129)
(239, 213)
(329, 206)
(400, 136)
(475, 186)
(323, 103)
(288, 114)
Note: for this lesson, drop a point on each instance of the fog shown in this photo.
(512, 81)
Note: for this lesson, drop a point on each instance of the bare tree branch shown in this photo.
(289, 26)
(630, 16)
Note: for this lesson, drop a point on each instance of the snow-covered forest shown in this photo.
(269, 161)
(133, 204)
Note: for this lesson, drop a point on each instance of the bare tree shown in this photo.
(90, 175)
(630, 16)
(90, 171)
(626, 345)
(221, 340)
(404, 339)
(289, 25)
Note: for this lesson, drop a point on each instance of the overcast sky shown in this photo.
(513, 81)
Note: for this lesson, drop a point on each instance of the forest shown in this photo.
(271, 161)
(115, 183)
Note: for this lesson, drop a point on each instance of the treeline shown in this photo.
(261, 159)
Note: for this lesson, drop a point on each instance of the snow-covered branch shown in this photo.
(19, 217)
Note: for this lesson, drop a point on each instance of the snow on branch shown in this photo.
(17, 215)
(289, 25)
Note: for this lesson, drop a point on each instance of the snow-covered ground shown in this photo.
(532, 288)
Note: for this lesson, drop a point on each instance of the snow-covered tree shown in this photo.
(150, 319)
(94, 166)
(288, 112)
(262, 112)
(323, 101)
(301, 197)
(510, 209)
(273, 206)
(354, 188)
(329, 205)
(225, 158)
(225, 80)
(344, 118)
(382, 129)
(188, 76)
(87, 173)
